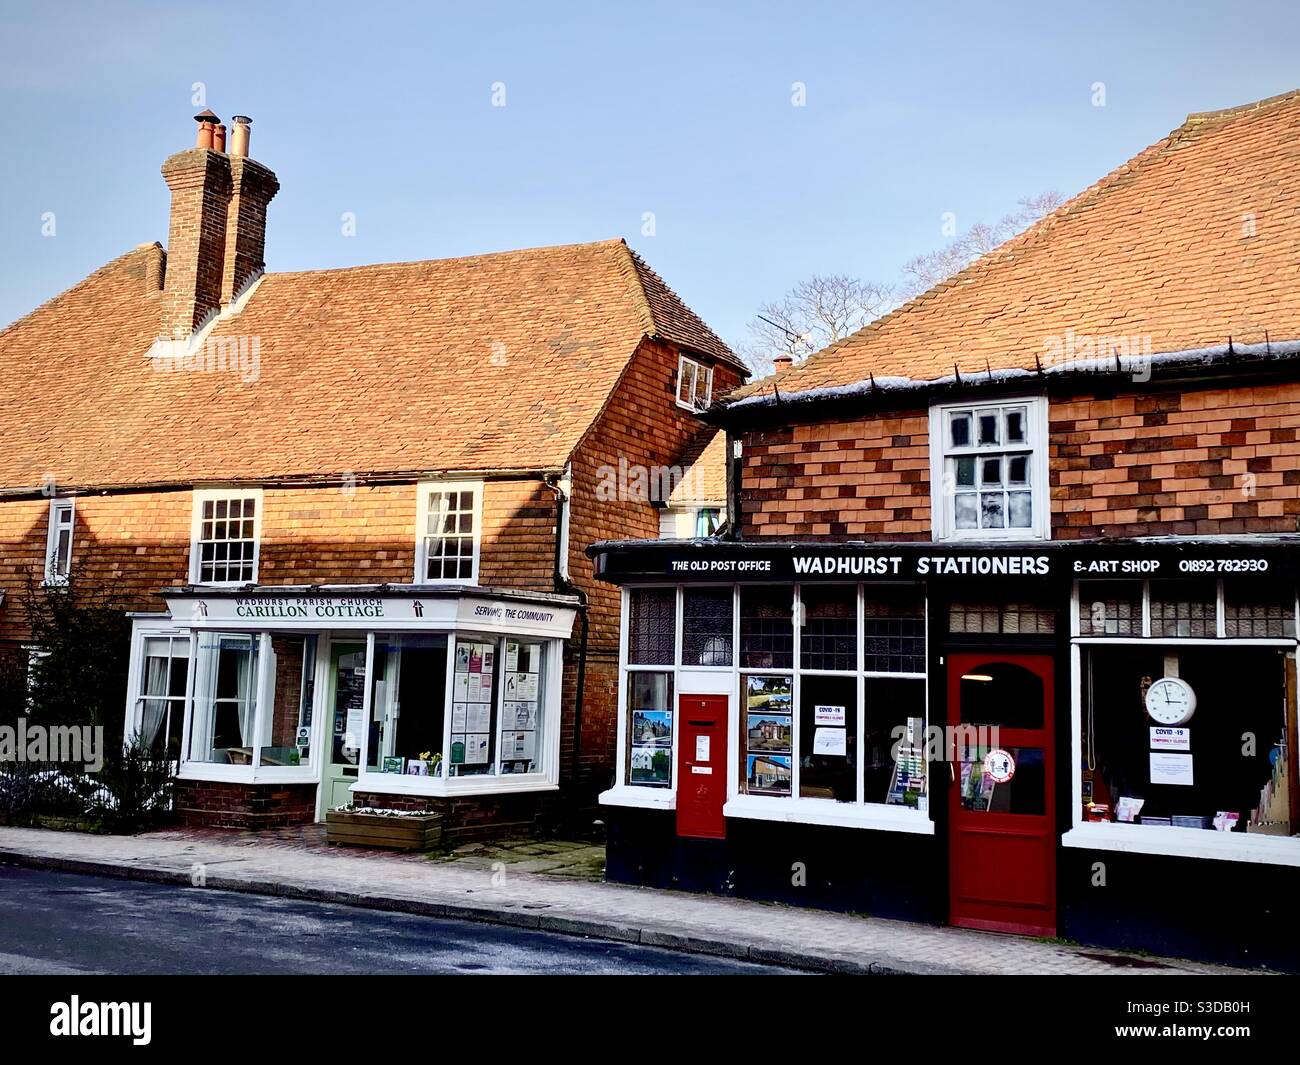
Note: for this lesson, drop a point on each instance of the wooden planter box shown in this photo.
(418, 832)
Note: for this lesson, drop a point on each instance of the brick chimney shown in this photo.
(252, 187)
(217, 235)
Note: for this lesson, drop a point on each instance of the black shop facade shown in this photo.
(1093, 740)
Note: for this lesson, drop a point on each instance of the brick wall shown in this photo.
(139, 541)
(1178, 462)
(225, 804)
(846, 479)
(641, 426)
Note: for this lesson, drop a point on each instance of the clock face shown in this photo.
(1171, 701)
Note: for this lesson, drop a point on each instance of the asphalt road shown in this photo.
(61, 923)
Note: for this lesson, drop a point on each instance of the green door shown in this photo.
(348, 698)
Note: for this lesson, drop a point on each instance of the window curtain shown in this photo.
(244, 693)
(155, 710)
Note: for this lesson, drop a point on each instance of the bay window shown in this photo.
(160, 703)
(225, 698)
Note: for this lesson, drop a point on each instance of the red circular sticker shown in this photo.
(999, 765)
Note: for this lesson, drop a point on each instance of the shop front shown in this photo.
(1054, 739)
(280, 703)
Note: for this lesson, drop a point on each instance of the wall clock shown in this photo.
(1171, 701)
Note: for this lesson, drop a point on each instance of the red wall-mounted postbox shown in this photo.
(701, 766)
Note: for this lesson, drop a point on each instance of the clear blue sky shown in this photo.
(612, 110)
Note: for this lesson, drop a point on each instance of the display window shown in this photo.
(830, 688)
(1186, 717)
(224, 708)
(286, 727)
(407, 702)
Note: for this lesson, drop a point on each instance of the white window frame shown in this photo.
(57, 505)
(145, 629)
(547, 775)
(424, 491)
(203, 495)
(943, 519)
(699, 372)
(726, 680)
(1161, 839)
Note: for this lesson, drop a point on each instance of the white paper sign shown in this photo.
(701, 748)
(828, 715)
(1171, 768)
(832, 741)
(1164, 738)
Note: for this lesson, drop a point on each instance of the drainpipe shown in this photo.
(562, 487)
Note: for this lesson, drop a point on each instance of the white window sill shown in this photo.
(1185, 843)
(828, 812)
(398, 784)
(644, 798)
(221, 771)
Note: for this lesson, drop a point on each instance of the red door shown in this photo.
(1002, 831)
(702, 766)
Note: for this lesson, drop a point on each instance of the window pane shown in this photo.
(650, 727)
(988, 422)
(225, 699)
(686, 383)
(1018, 469)
(286, 730)
(828, 728)
(408, 694)
(894, 631)
(1110, 608)
(893, 723)
(1020, 510)
(1015, 417)
(766, 628)
(652, 626)
(766, 752)
(1002, 694)
(965, 510)
(964, 472)
(990, 471)
(706, 627)
(991, 510)
(473, 708)
(1024, 793)
(1183, 608)
(1205, 772)
(524, 710)
(830, 625)
(1260, 613)
(959, 427)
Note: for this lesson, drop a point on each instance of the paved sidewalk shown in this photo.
(807, 939)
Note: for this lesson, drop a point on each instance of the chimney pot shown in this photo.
(782, 362)
(219, 138)
(239, 136)
(207, 129)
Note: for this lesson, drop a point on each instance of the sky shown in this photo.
(739, 147)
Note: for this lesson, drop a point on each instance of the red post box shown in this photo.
(702, 766)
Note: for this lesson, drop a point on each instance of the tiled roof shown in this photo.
(704, 467)
(490, 362)
(1193, 241)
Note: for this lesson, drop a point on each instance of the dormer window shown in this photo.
(694, 384)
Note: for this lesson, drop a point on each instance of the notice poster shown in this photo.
(476, 659)
(518, 746)
(478, 717)
(476, 749)
(831, 741)
(829, 715)
(458, 715)
(512, 656)
(460, 688)
(1171, 768)
(1164, 738)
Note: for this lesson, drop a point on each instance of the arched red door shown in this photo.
(1002, 825)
